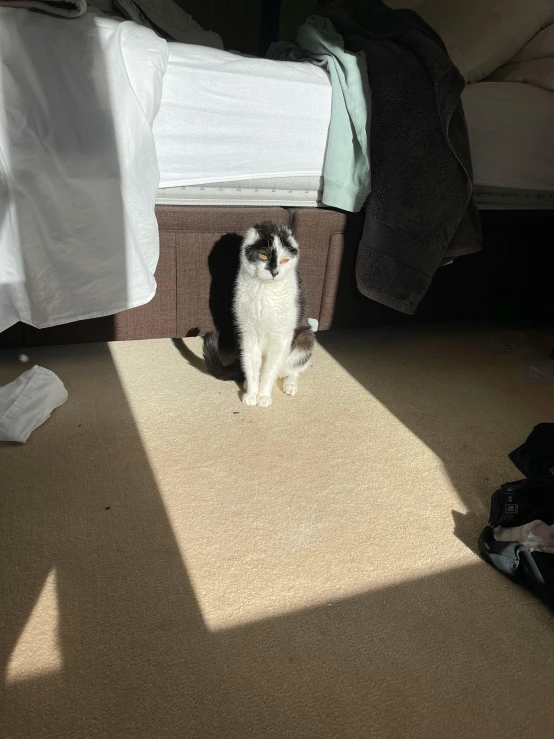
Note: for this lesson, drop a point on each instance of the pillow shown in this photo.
(541, 46)
(538, 72)
(481, 35)
(534, 64)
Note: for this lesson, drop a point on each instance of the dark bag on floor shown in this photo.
(519, 503)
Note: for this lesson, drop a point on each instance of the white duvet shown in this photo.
(78, 168)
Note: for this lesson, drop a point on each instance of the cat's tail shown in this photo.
(214, 365)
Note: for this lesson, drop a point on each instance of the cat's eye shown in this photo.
(264, 257)
(284, 261)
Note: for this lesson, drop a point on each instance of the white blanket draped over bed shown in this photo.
(78, 167)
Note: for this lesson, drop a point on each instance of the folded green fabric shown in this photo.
(346, 171)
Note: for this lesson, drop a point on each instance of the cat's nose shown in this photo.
(274, 273)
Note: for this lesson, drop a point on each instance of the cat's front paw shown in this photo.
(249, 399)
(264, 400)
(290, 388)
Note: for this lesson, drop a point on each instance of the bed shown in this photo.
(509, 127)
(211, 153)
(240, 139)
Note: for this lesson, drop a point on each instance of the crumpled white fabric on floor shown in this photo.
(28, 402)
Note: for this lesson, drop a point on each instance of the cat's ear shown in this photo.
(251, 237)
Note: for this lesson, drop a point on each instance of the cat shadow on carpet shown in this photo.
(189, 355)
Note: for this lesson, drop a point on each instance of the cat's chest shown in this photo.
(267, 309)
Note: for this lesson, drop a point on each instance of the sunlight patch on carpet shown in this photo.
(37, 652)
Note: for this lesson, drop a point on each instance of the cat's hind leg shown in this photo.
(290, 384)
(289, 374)
(297, 361)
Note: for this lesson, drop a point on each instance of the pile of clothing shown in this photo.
(519, 537)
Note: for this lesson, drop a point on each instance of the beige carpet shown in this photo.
(177, 565)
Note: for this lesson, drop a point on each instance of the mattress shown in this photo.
(228, 117)
(496, 198)
(300, 192)
(510, 128)
(305, 192)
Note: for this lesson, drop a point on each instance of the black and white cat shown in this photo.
(273, 334)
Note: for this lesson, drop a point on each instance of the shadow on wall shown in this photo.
(418, 658)
(223, 263)
(75, 160)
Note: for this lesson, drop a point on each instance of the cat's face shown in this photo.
(269, 252)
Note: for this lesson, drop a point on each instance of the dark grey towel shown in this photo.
(420, 212)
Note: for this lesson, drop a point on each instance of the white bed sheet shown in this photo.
(78, 170)
(226, 117)
(511, 127)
